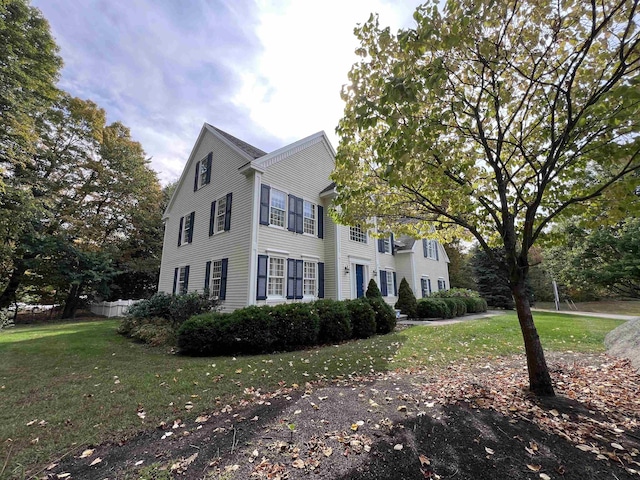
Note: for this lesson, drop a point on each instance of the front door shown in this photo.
(359, 281)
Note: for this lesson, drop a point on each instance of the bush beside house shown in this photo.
(407, 303)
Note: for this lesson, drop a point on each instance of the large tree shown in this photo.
(493, 118)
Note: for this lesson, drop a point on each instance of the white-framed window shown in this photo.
(386, 242)
(275, 284)
(216, 278)
(186, 229)
(430, 249)
(357, 234)
(220, 214)
(183, 280)
(277, 208)
(310, 279)
(442, 285)
(390, 290)
(309, 223)
(425, 286)
(203, 170)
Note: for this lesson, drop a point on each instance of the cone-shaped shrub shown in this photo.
(372, 290)
(407, 302)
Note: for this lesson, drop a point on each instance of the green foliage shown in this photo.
(457, 306)
(475, 304)
(208, 334)
(363, 318)
(492, 278)
(174, 308)
(156, 306)
(295, 325)
(433, 308)
(154, 332)
(460, 271)
(385, 315)
(456, 292)
(406, 303)
(6, 319)
(372, 290)
(335, 324)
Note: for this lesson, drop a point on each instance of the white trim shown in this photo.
(253, 256)
(314, 257)
(361, 260)
(286, 151)
(276, 251)
(338, 274)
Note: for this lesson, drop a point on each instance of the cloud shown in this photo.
(266, 71)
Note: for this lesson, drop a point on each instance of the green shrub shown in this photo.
(335, 325)
(433, 308)
(455, 305)
(175, 308)
(407, 302)
(363, 318)
(207, 334)
(294, 325)
(251, 330)
(385, 315)
(372, 290)
(154, 332)
(153, 307)
(456, 292)
(475, 304)
(6, 319)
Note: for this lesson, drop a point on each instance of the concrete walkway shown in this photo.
(493, 313)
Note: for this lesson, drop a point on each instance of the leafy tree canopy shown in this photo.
(493, 118)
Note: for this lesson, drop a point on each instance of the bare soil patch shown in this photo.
(469, 421)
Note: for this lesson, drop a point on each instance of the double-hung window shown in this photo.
(185, 233)
(386, 245)
(216, 278)
(181, 280)
(442, 285)
(357, 234)
(430, 249)
(309, 218)
(278, 207)
(220, 216)
(390, 283)
(310, 279)
(203, 172)
(275, 286)
(425, 284)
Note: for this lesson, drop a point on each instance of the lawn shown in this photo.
(66, 386)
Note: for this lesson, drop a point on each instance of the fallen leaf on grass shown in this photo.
(544, 476)
(95, 462)
(298, 463)
(327, 451)
(87, 453)
(489, 451)
(617, 446)
(63, 475)
(424, 460)
(398, 447)
(534, 468)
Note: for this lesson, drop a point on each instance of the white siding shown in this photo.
(233, 244)
(429, 268)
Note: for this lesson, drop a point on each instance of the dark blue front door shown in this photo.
(359, 281)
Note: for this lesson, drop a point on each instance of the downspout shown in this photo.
(253, 257)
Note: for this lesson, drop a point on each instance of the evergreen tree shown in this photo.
(407, 303)
(372, 290)
(492, 278)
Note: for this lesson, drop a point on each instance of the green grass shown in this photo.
(88, 383)
(621, 307)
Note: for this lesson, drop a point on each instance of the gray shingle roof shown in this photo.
(331, 186)
(252, 151)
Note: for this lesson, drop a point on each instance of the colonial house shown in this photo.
(252, 228)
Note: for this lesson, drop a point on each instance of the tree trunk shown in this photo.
(71, 302)
(9, 294)
(539, 378)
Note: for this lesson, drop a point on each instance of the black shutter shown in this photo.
(320, 222)
(299, 273)
(209, 162)
(395, 285)
(180, 231)
(176, 272)
(227, 212)
(261, 292)
(299, 215)
(424, 247)
(429, 283)
(393, 247)
(265, 191)
(185, 289)
(320, 280)
(291, 278)
(381, 245)
(207, 275)
(435, 247)
(383, 283)
(223, 279)
(193, 217)
(195, 179)
(212, 218)
(291, 217)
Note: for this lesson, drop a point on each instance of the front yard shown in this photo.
(67, 386)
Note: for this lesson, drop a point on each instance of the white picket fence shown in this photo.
(112, 309)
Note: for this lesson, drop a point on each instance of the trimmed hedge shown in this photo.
(335, 324)
(294, 325)
(433, 308)
(363, 318)
(475, 305)
(372, 290)
(385, 315)
(174, 308)
(206, 334)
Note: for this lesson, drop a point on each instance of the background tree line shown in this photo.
(80, 208)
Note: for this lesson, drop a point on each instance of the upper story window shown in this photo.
(275, 284)
(278, 207)
(222, 206)
(386, 245)
(430, 249)
(203, 172)
(185, 232)
(309, 218)
(357, 234)
(220, 216)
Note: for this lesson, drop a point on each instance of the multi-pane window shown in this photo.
(390, 283)
(222, 205)
(203, 169)
(310, 279)
(386, 242)
(276, 277)
(186, 229)
(216, 278)
(442, 284)
(309, 218)
(182, 280)
(357, 234)
(277, 208)
(425, 284)
(430, 248)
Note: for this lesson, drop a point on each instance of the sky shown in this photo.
(268, 72)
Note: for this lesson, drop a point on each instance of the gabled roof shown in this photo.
(252, 151)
